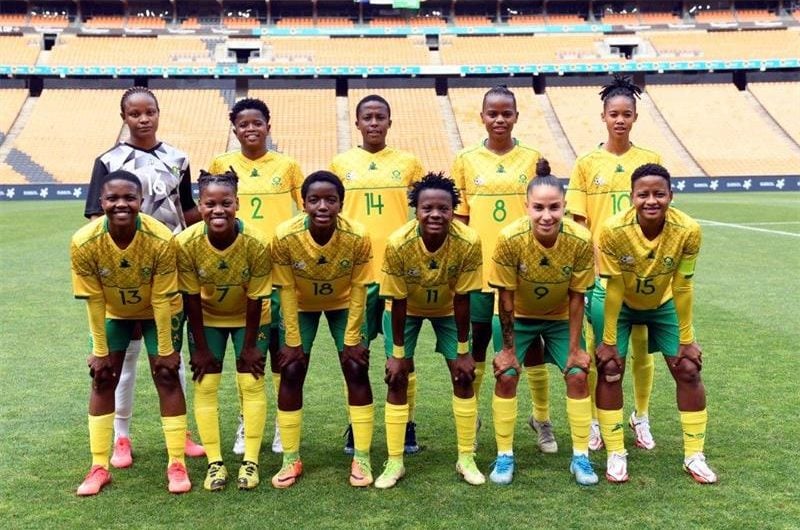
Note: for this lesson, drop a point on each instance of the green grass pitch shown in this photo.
(747, 283)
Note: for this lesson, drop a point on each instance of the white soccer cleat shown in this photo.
(617, 467)
(696, 466)
(641, 429)
(545, 437)
(595, 439)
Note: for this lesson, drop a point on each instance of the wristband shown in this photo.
(398, 352)
(463, 348)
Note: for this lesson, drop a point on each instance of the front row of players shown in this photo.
(131, 270)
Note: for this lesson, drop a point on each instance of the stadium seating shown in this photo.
(9, 176)
(295, 22)
(471, 20)
(49, 21)
(723, 131)
(731, 45)
(191, 23)
(755, 15)
(524, 49)
(621, 19)
(19, 19)
(146, 22)
(781, 101)
(19, 50)
(324, 51)
(240, 22)
(72, 50)
(395, 22)
(715, 16)
(525, 20)
(659, 18)
(111, 22)
(12, 99)
(565, 20)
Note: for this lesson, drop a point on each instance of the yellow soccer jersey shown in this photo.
(267, 187)
(377, 191)
(541, 277)
(321, 275)
(648, 267)
(600, 184)
(139, 282)
(493, 191)
(429, 280)
(225, 279)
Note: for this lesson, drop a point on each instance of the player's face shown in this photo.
(651, 196)
(619, 116)
(120, 201)
(373, 122)
(545, 207)
(140, 114)
(218, 205)
(251, 128)
(322, 204)
(499, 115)
(434, 211)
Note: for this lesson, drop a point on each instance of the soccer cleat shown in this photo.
(641, 428)
(696, 466)
(617, 467)
(393, 471)
(178, 478)
(238, 442)
(349, 445)
(216, 476)
(123, 453)
(582, 468)
(502, 470)
(288, 474)
(410, 446)
(248, 475)
(277, 443)
(193, 449)
(469, 471)
(595, 440)
(546, 439)
(360, 472)
(95, 480)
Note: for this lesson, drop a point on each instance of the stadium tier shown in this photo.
(12, 103)
(19, 50)
(659, 18)
(518, 49)
(324, 51)
(726, 45)
(72, 50)
(715, 16)
(782, 101)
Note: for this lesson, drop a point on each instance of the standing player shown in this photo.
(167, 187)
(492, 178)
(647, 255)
(431, 266)
(123, 265)
(542, 265)
(599, 187)
(225, 273)
(321, 264)
(269, 186)
(377, 178)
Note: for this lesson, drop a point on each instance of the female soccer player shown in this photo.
(431, 266)
(492, 178)
(377, 178)
(225, 273)
(599, 187)
(321, 264)
(648, 255)
(269, 187)
(542, 266)
(124, 266)
(167, 196)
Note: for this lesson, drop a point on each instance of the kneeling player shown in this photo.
(123, 265)
(648, 255)
(224, 270)
(321, 263)
(431, 266)
(542, 266)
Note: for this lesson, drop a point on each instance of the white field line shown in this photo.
(768, 223)
(745, 227)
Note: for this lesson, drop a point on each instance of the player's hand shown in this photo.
(203, 362)
(464, 368)
(171, 362)
(577, 359)
(100, 368)
(605, 354)
(506, 359)
(358, 353)
(396, 371)
(290, 354)
(692, 352)
(251, 361)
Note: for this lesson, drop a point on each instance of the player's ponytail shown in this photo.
(544, 177)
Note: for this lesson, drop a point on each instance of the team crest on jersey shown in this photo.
(176, 171)
(599, 181)
(276, 180)
(413, 272)
(246, 273)
(396, 174)
(351, 175)
(146, 272)
(544, 262)
(104, 272)
(627, 260)
(669, 262)
(523, 178)
(344, 264)
(522, 268)
(299, 265)
(478, 181)
(566, 270)
(201, 273)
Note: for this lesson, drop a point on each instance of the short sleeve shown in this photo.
(260, 263)
(470, 277)
(282, 274)
(459, 178)
(92, 205)
(609, 261)
(362, 271)
(85, 283)
(393, 282)
(504, 266)
(576, 191)
(185, 190)
(296, 176)
(583, 269)
(188, 282)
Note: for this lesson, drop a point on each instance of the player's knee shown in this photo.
(355, 373)
(294, 372)
(166, 378)
(506, 385)
(398, 383)
(610, 372)
(686, 372)
(103, 382)
(577, 378)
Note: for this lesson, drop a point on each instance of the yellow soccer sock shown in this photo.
(290, 423)
(206, 414)
(579, 414)
(480, 369)
(175, 436)
(276, 384)
(101, 430)
(539, 383)
(694, 431)
(611, 429)
(411, 395)
(363, 418)
(254, 412)
(592, 378)
(465, 412)
(504, 414)
(643, 367)
(396, 417)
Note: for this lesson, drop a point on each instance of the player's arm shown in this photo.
(165, 288)
(458, 176)
(201, 360)
(615, 292)
(353, 347)
(577, 357)
(92, 208)
(396, 363)
(252, 359)
(576, 196)
(283, 278)
(683, 294)
(507, 358)
(464, 364)
(190, 212)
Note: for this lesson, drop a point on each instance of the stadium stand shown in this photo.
(659, 18)
(240, 22)
(19, 50)
(621, 19)
(565, 20)
(146, 22)
(110, 22)
(519, 49)
(417, 124)
(20, 19)
(766, 44)
(324, 51)
(303, 124)
(191, 23)
(715, 16)
(9, 176)
(49, 21)
(711, 121)
(72, 50)
(471, 20)
(396, 22)
(755, 15)
(295, 22)
(524, 20)
(782, 101)
(12, 99)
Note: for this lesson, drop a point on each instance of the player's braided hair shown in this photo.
(248, 104)
(500, 90)
(620, 85)
(229, 178)
(650, 170)
(544, 177)
(376, 98)
(136, 90)
(434, 181)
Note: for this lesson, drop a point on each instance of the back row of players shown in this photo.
(497, 225)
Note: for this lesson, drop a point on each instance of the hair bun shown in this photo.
(542, 167)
